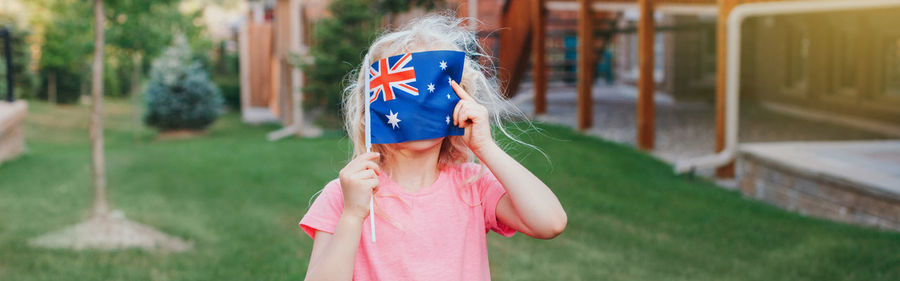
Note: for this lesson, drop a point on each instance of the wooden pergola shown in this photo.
(529, 17)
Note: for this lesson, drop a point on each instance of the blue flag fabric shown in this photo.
(411, 98)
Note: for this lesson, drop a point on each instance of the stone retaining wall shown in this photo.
(12, 133)
(816, 195)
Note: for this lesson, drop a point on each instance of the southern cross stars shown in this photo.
(393, 120)
(431, 87)
(447, 119)
(443, 65)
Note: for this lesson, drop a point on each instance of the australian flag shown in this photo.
(411, 98)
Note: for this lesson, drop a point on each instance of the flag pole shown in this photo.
(369, 145)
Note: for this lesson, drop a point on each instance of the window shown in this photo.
(892, 66)
(845, 60)
(797, 56)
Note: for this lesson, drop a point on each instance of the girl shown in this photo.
(434, 206)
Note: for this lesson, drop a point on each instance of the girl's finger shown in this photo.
(371, 165)
(357, 163)
(463, 117)
(369, 155)
(373, 183)
(367, 175)
(463, 95)
(459, 106)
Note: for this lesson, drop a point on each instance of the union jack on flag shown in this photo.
(384, 77)
(417, 100)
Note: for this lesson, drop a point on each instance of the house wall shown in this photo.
(690, 57)
(846, 63)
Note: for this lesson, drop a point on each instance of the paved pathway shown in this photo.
(683, 129)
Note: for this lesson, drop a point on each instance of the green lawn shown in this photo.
(239, 197)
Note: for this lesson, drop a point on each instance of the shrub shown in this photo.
(180, 94)
(65, 52)
(231, 90)
(340, 42)
(68, 84)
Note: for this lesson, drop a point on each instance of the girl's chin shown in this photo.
(419, 145)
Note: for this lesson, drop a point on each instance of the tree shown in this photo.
(340, 42)
(136, 32)
(100, 207)
(105, 229)
(25, 80)
(141, 29)
(65, 50)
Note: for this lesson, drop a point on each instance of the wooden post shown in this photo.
(725, 7)
(472, 13)
(645, 104)
(244, 66)
(539, 66)
(282, 41)
(585, 64)
(514, 50)
(298, 48)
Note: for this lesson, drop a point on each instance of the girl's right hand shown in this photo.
(358, 181)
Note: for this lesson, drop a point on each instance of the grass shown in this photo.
(239, 197)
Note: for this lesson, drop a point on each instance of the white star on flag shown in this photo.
(447, 119)
(449, 80)
(448, 96)
(443, 65)
(431, 87)
(393, 120)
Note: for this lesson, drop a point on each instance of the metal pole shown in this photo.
(9, 63)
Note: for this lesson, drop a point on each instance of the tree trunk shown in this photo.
(51, 87)
(135, 73)
(101, 207)
(136, 59)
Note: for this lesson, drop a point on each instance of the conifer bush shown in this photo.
(180, 94)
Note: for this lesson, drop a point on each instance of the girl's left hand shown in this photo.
(473, 117)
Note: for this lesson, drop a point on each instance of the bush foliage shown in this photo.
(340, 43)
(25, 80)
(180, 94)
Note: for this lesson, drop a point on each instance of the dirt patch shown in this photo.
(110, 232)
(180, 134)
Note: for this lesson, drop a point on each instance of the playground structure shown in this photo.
(809, 186)
(522, 39)
(532, 33)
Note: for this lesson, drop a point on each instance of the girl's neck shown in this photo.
(413, 170)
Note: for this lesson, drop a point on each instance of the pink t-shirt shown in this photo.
(437, 233)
